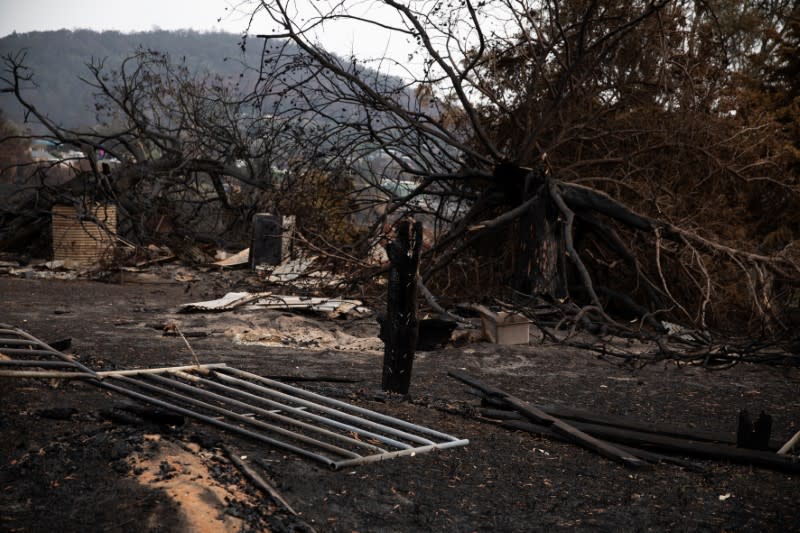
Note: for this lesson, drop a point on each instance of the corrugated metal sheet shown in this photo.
(77, 238)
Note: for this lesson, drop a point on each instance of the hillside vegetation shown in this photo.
(59, 60)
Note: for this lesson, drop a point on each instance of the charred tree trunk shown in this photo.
(401, 326)
(540, 250)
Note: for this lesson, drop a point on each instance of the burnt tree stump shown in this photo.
(539, 253)
(400, 327)
(754, 435)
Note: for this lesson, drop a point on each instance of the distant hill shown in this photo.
(59, 58)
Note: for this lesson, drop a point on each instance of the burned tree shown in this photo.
(400, 327)
(603, 143)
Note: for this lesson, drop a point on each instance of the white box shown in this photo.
(506, 328)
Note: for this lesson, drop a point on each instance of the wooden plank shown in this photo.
(537, 415)
(238, 259)
(587, 441)
(790, 444)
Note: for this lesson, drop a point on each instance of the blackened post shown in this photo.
(271, 239)
(751, 434)
(265, 244)
(401, 326)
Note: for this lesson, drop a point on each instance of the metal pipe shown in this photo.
(381, 427)
(264, 412)
(19, 342)
(169, 369)
(33, 362)
(47, 350)
(400, 453)
(45, 374)
(240, 417)
(357, 460)
(297, 411)
(214, 422)
(84, 375)
(354, 458)
(4, 329)
(26, 351)
(342, 405)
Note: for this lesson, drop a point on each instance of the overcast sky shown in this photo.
(201, 15)
(123, 15)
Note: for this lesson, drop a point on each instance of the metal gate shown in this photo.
(327, 430)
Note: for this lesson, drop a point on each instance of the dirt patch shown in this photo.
(78, 472)
(183, 473)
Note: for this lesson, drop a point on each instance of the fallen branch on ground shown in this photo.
(691, 448)
(257, 480)
(540, 417)
(654, 438)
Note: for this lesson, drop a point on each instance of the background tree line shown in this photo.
(60, 59)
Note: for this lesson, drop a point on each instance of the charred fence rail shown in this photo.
(620, 438)
(569, 431)
(314, 426)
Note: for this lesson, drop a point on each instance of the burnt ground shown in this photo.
(67, 463)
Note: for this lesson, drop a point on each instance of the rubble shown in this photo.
(265, 300)
(301, 333)
(230, 301)
(235, 260)
(290, 271)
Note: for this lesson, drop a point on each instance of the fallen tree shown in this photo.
(601, 150)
